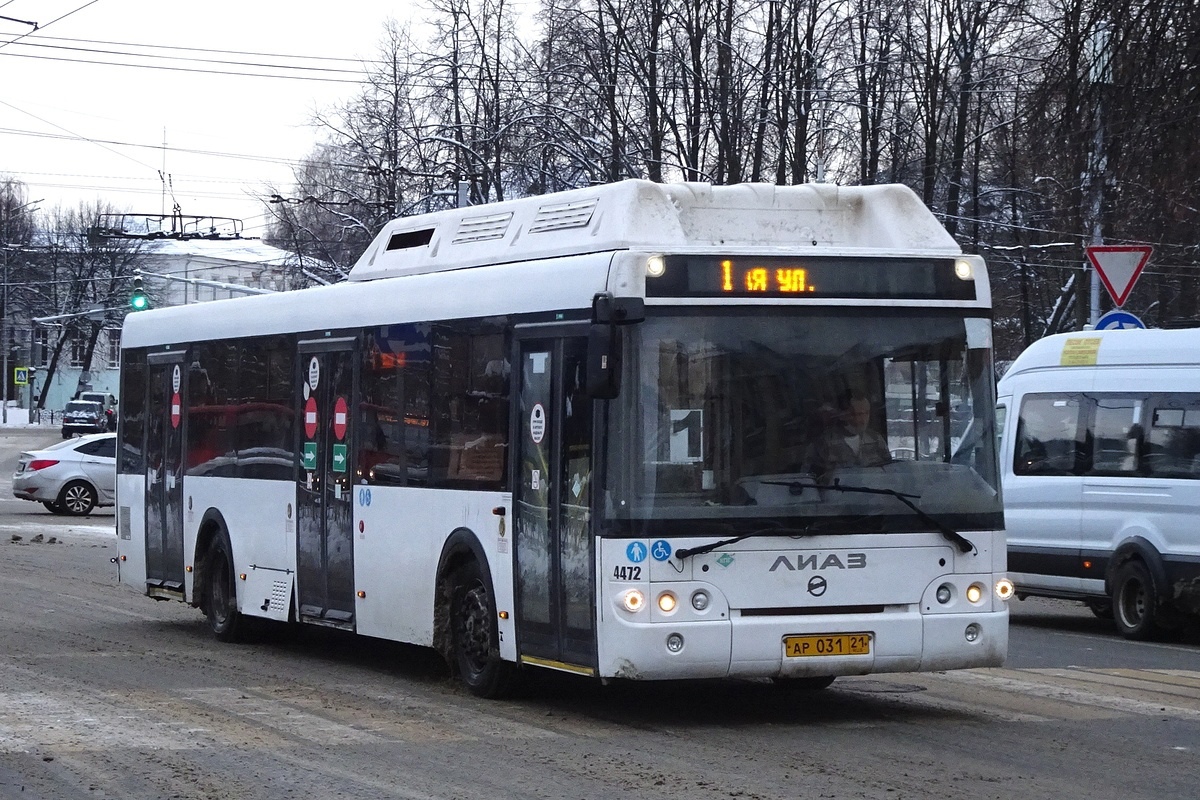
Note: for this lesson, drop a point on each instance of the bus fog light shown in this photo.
(975, 592)
(667, 602)
(944, 593)
(972, 632)
(633, 600)
(700, 600)
(1004, 588)
(675, 642)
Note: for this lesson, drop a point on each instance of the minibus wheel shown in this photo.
(1135, 602)
(476, 636)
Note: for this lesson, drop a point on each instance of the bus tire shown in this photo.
(1135, 601)
(220, 599)
(476, 637)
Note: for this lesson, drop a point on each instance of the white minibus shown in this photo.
(1100, 454)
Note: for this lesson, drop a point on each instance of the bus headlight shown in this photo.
(944, 593)
(633, 600)
(964, 270)
(1004, 588)
(666, 602)
(656, 266)
(700, 599)
(975, 592)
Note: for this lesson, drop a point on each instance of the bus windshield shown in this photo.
(751, 416)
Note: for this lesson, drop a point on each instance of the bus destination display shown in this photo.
(821, 277)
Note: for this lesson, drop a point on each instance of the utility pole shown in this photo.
(1094, 179)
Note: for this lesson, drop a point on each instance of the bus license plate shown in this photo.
(837, 644)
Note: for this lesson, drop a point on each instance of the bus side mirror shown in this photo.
(603, 361)
(604, 342)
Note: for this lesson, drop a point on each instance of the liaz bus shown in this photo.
(633, 431)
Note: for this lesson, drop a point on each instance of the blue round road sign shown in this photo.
(1118, 320)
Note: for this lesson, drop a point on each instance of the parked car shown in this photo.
(83, 416)
(107, 401)
(71, 477)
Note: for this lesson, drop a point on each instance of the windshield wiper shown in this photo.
(685, 552)
(964, 544)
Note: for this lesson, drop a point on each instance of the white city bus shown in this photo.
(592, 432)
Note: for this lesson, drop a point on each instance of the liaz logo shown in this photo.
(815, 561)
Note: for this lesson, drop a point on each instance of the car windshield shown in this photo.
(741, 417)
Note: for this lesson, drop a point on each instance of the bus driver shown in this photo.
(850, 441)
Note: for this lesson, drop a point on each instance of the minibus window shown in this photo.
(1116, 434)
(1049, 436)
(1173, 441)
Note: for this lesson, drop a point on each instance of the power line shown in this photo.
(305, 57)
(197, 70)
(75, 137)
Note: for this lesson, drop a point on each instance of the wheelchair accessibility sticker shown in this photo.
(661, 550)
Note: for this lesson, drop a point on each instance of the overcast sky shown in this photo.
(87, 99)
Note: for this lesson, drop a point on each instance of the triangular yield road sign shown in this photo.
(1119, 267)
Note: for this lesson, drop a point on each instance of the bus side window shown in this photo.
(1049, 436)
(470, 385)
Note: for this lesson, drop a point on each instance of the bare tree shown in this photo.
(84, 280)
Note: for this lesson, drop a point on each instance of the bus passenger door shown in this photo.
(164, 476)
(324, 515)
(552, 505)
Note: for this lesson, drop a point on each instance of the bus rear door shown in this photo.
(552, 501)
(164, 475)
(324, 515)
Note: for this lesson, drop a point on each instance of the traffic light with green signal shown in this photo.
(137, 298)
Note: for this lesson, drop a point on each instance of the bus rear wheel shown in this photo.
(476, 636)
(220, 606)
(1135, 602)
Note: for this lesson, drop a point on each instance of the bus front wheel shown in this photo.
(476, 636)
(1135, 602)
(220, 605)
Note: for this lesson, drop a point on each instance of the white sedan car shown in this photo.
(70, 477)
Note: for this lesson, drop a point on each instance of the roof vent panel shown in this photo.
(483, 228)
(561, 216)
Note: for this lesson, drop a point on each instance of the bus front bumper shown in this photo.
(757, 647)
